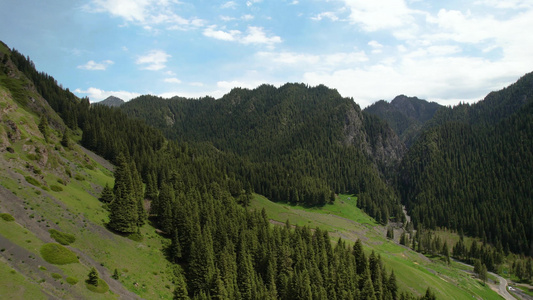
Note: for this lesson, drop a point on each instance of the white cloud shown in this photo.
(130, 10)
(227, 18)
(254, 35)
(229, 4)
(172, 80)
(155, 60)
(147, 13)
(513, 4)
(94, 66)
(376, 47)
(96, 95)
(247, 17)
(307, 62)
(378, 15)
(220, 34)
(330, 15)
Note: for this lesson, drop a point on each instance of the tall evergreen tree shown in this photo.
(123, 215)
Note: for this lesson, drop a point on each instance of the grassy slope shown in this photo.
(74, 210)
(343, 219)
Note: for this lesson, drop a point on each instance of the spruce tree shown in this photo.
(93, 277)
(43, 127)
(180, 290)
(107, 194)
(115, 274)
(65, 141)
(123, 216)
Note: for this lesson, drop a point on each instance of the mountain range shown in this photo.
(168, 188)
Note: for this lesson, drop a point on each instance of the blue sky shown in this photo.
(444, 51)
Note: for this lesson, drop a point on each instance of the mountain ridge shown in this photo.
(406, 115)
(111, 101)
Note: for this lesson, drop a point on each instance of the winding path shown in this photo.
(502, 288)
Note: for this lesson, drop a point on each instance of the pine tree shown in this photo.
(65, 140)
(43, 127)
(115, 274)
(123, 216)
(107, 194)
(446, 252)
(138, 195)
(180, 289)
(483, 274)
(93, 277)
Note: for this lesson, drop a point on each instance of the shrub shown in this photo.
(136, 237)
(72, 280)
(56, 276)
(56, 188)
(7, 217)
(42, 268)
(57, 254)
(79, 177)
(101, 288)
(32, 180)
(61, 237)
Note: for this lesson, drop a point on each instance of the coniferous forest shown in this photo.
(190, 167)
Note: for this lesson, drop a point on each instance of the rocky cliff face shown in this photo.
(374, 137)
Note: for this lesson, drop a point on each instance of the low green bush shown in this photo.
(57, 254)
(7, 217)
(56, 276)
(61, 237)
(32, 180)
(72, 280)
(56, 188)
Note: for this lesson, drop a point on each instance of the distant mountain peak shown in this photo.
(111, 101)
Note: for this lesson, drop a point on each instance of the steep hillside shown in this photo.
(405, 115)
(48, 182)
(471, 170)
(294, 143)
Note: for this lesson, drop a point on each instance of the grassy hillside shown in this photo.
(343, 219)
(44, 186)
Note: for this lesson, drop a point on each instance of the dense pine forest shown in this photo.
(295, 144)
(219, 249)
(470, 170)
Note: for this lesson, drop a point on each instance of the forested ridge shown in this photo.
(219, 249)
(471, 169)
(294, 143)
(405, 115)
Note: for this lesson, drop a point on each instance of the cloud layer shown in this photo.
(368, 50)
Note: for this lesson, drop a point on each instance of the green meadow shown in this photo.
(344, 220)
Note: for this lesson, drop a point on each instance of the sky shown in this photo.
(442, 51)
